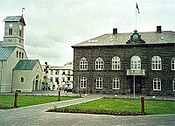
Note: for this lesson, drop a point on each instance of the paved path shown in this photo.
(36, 116)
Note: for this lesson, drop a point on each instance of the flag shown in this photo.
(137, 7)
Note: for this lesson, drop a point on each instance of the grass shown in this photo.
(6, 102)
(122, 107)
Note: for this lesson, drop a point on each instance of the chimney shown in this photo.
(114, 31)
(159, 29)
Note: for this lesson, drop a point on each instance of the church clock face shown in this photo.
(10, 25)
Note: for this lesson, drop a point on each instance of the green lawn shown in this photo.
(123, 106)
(7, 101)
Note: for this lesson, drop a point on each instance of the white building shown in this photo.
(16, 71)
(62, 75)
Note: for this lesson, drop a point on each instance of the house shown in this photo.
(13, 54)
(62, 75)
(126, 63)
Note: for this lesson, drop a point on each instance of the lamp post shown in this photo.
(134, 86)
(58, 88)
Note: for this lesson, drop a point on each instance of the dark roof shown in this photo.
(5, 52)
(15, 19)
(25, 64)
(122, 38)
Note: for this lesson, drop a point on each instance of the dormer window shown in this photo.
(10, 31)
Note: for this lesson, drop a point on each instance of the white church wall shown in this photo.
(30, 78)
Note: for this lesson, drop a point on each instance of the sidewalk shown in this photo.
(46, 106)
(36, 116)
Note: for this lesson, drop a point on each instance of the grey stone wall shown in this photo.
(125, 52)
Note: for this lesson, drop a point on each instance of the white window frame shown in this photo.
(83, 64)
(99, 83)
(157, 84)
(156, 63)
(99, 64)
(173, 63)
(116, 63)
(83, 83)
(116, 83)
(135, 63)
(174, 85)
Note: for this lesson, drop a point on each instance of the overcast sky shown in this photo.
(53, 26)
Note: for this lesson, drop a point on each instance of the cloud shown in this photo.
(54, 25)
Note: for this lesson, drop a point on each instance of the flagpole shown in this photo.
(135, 17)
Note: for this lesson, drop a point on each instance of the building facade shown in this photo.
(126, 63)
(11, 53)
(60, 75)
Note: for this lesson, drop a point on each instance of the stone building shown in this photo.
(13, 57)
(126, 63)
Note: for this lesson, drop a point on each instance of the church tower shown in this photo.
(14, 31)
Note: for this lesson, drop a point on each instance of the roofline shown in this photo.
(139, 44)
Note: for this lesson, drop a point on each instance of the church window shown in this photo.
(22, 55)
(10, 31)
(16, 54)
(20, 33)
(19, 54)
(22, 79)
(99, 64)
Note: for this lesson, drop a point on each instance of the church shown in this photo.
(126, 63)
(17, 72)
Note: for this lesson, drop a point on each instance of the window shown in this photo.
(16, 54)
(116, 63)
(22, 55)
(22, 79)
(83, 64)
(10, 31)
(51, 79)
(56, 72)
(68, 78)
(19, 54)
(99, 83)
(157, 84)
(173, 63)
(83, 82)
(51, 72)
(20, 33)
(63, 79)
(116, 83)
(57, 79)
(135, 63)
(156, 63)
(174, 85)
(99, 64)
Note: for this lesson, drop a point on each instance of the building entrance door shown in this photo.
(138, 84)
